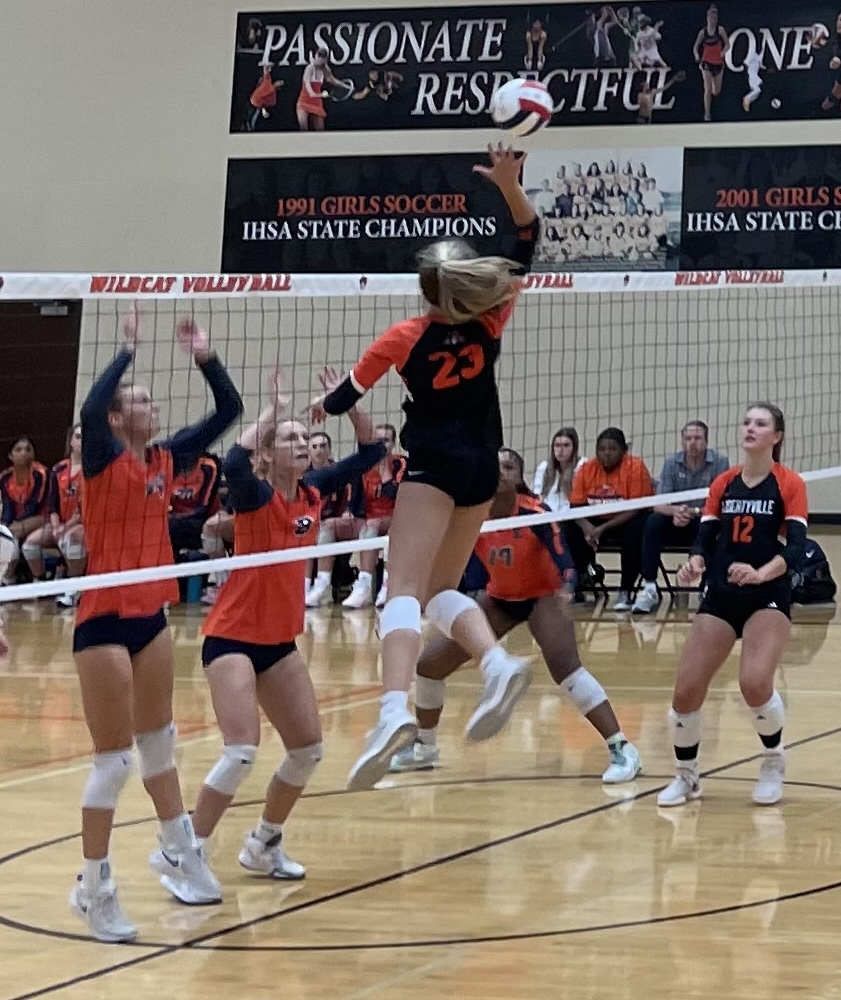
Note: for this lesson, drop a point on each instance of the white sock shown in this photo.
(493, 659)
(95, 872)
(364, 577)
(266, 832)
(178, 832)
(429, 737)
(323, 575)
(393, 700)
(650, 584)
(618, 740)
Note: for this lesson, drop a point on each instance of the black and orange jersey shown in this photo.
(23, 500)
(712, 48)
(447, 369)
(374, 496)
(65, 490)
(751, 525)
(524, 563)
(265, 605)
(194, 491)
(126, 499)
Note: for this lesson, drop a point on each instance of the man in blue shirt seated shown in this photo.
(694, 468)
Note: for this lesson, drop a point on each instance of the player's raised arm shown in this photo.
(188, 444)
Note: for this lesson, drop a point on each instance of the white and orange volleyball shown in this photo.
(522, 107)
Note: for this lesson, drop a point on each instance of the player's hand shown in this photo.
(278, 393)
(690, 573)
(835, 63)
(505, 166)
(130, 327)
(330, 379)
(743, 575)
(192, 338)
(682, 517)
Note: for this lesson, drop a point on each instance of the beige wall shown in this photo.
(115, 143)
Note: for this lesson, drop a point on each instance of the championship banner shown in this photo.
(360, 214)
(431, 68)
(763, 208)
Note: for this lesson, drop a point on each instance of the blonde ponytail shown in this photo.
(461, 285)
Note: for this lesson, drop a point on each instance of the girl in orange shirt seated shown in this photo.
(612, 475)
(23, 492)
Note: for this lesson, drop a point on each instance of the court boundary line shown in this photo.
(192, 944)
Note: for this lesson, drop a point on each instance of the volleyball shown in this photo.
(522, 107)
(8, 549)
(819, 35)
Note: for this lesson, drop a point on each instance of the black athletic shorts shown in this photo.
(736, 608)
(262, 656)
(520, 611)
(134, 634)
(714, 69)
(470, 477)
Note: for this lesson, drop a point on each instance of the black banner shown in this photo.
(770, 207)
(356, 213)
(421, 68)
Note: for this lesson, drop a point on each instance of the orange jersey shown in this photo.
(127, 527)
(752, 521)
(524, 563)
(265, 605)
(265, 94)
(65, 490)
(194, 491)
(593, 484)
(376, 497)
(23, 500)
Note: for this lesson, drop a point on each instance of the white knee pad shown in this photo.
(107, 779)
(368, 531)
(584, 690)
(232, 768)
(445, 607)
(429, 693)
(400, 613)
(326, 533)
(31, 551)
(156, 751)
(72, 549)
(298, 765)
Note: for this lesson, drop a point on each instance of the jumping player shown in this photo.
(525, 572)
(711, 45)
(747, 597)
(122, 645)
(250, 657)
(452, 435)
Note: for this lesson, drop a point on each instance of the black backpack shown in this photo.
(814, 585)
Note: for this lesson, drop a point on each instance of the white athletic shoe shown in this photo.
(69, 600)
(648, 600)
(622, 602)
(360, 595)
(685, 787)
(417, 757)
(102, 913)
(393, 731)
(382, 596)
(507, 679)
(270, 859)
(187, 875)
(768, 790)
(321, 592)
(624, 765)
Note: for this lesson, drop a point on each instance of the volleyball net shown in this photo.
(643, 352)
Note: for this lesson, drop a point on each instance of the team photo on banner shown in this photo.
(431, 68)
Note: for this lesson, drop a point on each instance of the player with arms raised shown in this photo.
(121, 644)
(452, 433)
(749, 510)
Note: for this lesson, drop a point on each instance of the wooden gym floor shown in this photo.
(508, 874)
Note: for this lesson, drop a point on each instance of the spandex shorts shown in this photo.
(714, 69)
(520, 611)
(262, 656)
(134, 634)
(470, 478)
(738, 608)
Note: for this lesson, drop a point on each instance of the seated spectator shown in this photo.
(372, 503)
(512, 469)
(23, 491)
(612, 475)
(192, 501)
(694, 468)
(553, 477)
(64, 529)
(337, 524)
